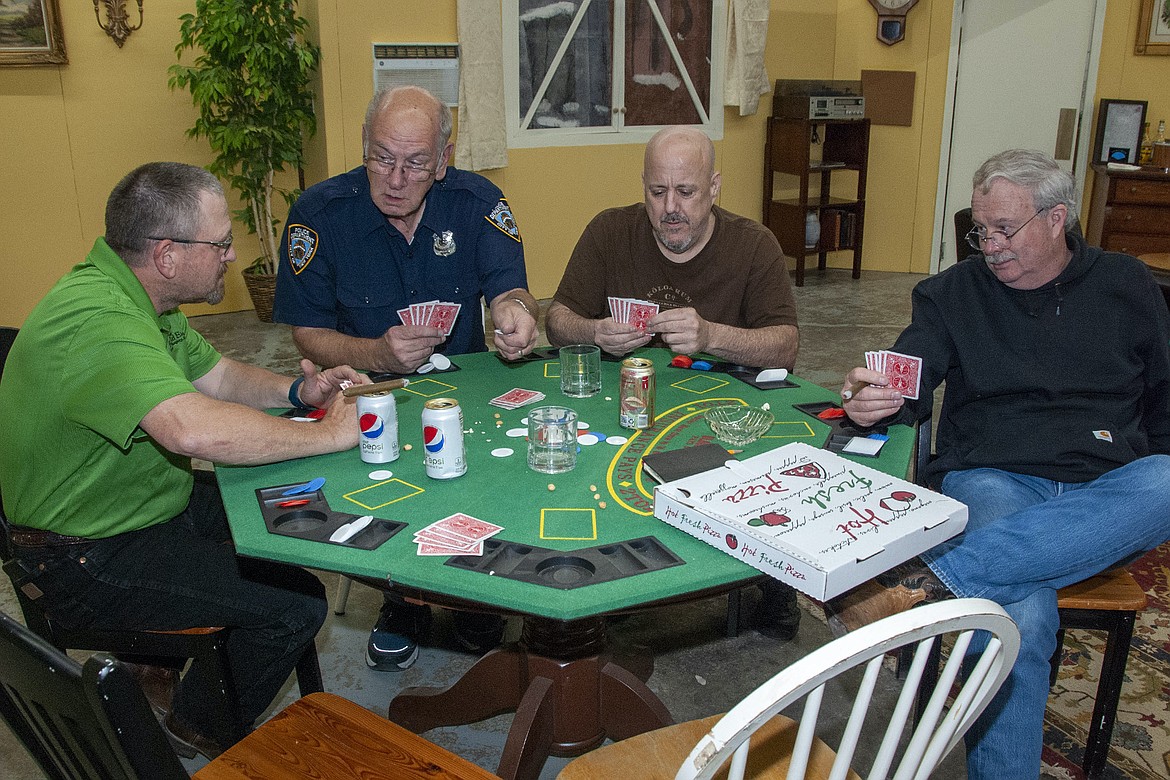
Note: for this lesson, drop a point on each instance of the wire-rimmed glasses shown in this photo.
(977, 236)
(385, 166)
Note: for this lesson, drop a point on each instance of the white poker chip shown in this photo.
(582, 426)
(616, 440)
(502, 452)
(588, 439)
(440, 361)
(381, 474)
(425, 368)
(516, 433)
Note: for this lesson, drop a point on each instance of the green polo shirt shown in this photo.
(90, 361)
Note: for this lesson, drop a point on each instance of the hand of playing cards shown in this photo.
(458, 534)
(631, 311)
(516, 397)
(903, 371)
(434, 314)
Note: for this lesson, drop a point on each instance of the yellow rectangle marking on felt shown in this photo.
(555, 365)
(568, 527)
(398, 491)
(415, 387)
(789, 430)
(700, 387)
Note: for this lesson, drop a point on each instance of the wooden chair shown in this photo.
(1108, 602)
(93, 723)
(778, 745)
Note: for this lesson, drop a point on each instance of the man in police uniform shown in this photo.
(404, 228)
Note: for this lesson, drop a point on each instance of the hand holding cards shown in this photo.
(903, 371)
(434, 314)
(458, 534)
(632, 311)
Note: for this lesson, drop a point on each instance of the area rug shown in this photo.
(1141, 738)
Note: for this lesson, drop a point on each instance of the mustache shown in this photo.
(674, 219)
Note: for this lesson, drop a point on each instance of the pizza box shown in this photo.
(809, 517)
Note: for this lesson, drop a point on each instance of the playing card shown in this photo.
(432, 549)
(442, 316)
(406, 315)
(904, 373)
(640, 313)
(466, 526)
(436, 537)
(516, 397)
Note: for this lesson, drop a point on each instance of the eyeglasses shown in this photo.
(223, 246)
(976, 236)
(385, 166)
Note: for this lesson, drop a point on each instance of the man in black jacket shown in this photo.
(1054, 430)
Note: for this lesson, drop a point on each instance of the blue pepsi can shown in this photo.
(378, 427)
(442, 424)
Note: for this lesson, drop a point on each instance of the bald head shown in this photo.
(395, 105)
(680, 185)
(688, 145)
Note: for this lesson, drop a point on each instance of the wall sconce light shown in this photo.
(116, 26)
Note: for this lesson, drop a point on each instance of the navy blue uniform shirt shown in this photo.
(343, 266)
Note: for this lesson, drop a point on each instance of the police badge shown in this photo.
(444, 243)
(302, 245)
(502, 218)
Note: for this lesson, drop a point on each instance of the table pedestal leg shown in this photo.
(566, 690)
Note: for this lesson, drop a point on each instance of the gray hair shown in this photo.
(156, 199)
(1036, 172)
(385, 95)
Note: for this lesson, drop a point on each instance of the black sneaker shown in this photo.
(478, 632)
(393, 645)
(778, 613)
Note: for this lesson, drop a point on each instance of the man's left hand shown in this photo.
(321, 387)
(683, 330)
(515, 329)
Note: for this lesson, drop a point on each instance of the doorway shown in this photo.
(1016, 70)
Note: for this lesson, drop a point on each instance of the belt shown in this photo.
(20, 536)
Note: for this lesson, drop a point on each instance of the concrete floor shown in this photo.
(698, 671)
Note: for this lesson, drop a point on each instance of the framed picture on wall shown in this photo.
(1119, 131)
(30, 33)
(1153, 36)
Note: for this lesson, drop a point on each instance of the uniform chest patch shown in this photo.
(502, 218)
(302, 245)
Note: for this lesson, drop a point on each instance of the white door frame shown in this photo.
(943, 225)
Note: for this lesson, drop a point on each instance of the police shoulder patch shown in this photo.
(502, 218)
(302, 245)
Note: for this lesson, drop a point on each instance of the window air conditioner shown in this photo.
(433, 66)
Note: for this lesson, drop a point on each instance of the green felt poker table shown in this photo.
(574, 548)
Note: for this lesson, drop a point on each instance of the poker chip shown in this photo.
(502, 452)
(516, 433)
(617, 441)
(582, 426)
(440, 361)
(381, 474)
(425, 368)
(600, 436)
(588, 439)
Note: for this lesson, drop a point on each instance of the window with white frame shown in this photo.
(611, 71)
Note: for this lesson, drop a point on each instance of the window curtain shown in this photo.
(747, 33)
(482, 140)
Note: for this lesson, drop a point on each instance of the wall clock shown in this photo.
(891, 21)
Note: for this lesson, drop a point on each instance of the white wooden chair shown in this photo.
(783, 748)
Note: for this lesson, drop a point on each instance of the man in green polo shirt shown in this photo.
(106, 396)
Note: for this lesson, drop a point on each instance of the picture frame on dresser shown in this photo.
(30, 34)
(1119, 131)
(1153, 35)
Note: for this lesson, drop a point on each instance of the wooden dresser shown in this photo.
(1130, 211)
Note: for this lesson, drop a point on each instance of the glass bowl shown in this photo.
(739, 425)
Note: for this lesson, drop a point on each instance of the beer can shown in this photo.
(636, 394)
(378, 424)
(442, 424)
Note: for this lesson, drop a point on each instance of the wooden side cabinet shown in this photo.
(1130, 211)
(789, 151)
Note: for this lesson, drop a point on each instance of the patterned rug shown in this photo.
(1141, 738)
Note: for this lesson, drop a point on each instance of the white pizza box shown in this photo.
(810, 518)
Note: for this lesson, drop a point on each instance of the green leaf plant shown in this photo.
(251, 86)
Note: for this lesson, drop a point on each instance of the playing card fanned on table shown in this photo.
(457, 534)
(517, 397)
(632, 311)
(435, 314)
(903, 371)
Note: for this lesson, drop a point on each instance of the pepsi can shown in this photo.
(378, 426)
(442, 424)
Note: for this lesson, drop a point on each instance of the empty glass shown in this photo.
(580, 370)
(552, 439)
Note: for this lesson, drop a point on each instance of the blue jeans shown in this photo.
(1027, 537)
(181, 574)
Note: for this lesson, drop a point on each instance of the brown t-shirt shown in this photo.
(739, 278)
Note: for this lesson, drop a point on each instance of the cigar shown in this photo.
(854, 389)
(376, 387)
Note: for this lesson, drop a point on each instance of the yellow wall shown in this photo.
(70, 132)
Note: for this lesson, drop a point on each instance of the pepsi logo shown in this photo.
(371, 425)
(432, 438)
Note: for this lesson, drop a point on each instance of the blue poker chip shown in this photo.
(600, 436)
(701, 365)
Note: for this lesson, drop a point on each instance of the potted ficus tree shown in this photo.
(250, 82)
